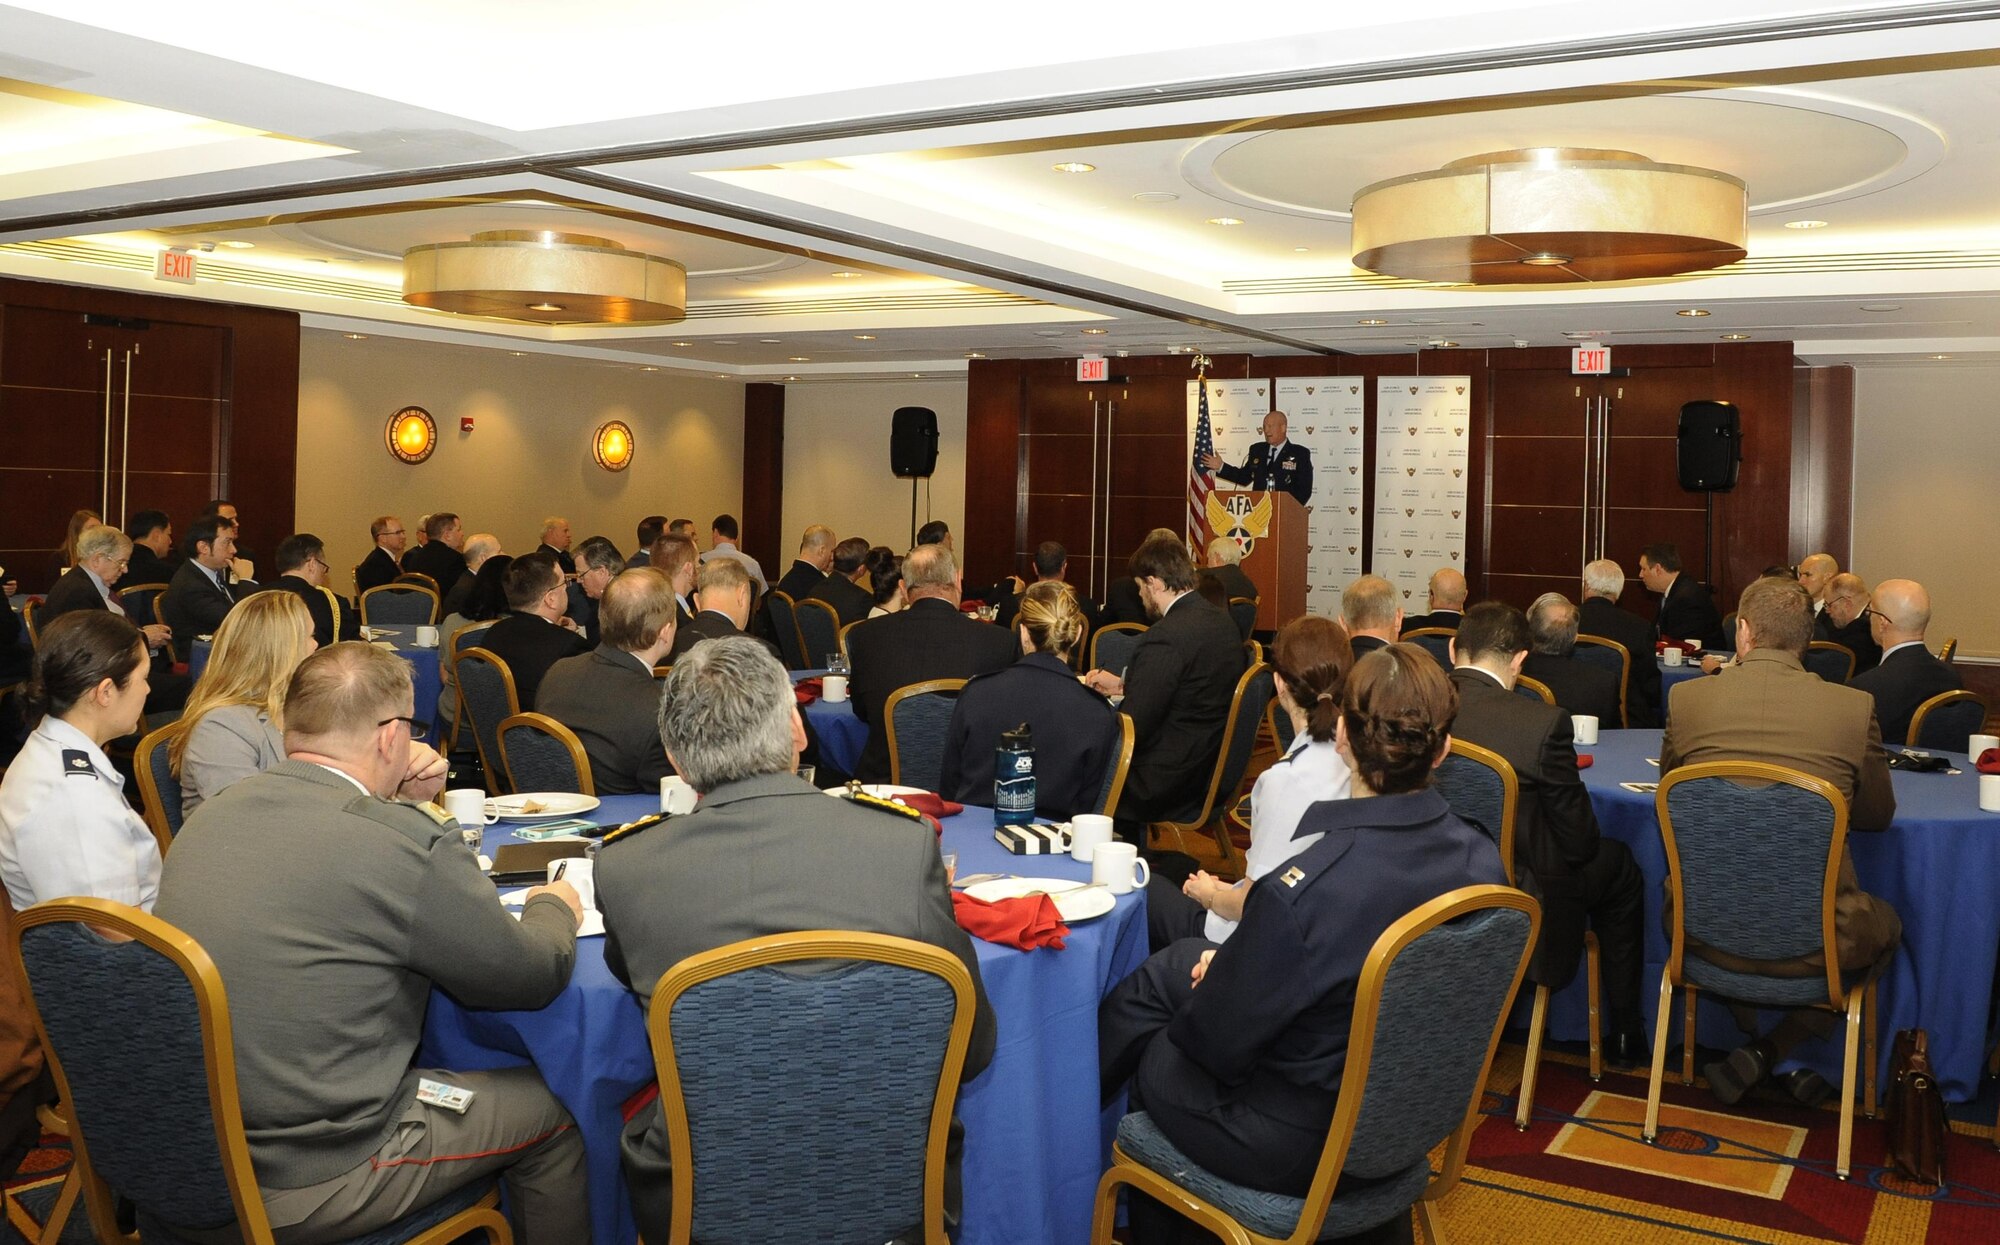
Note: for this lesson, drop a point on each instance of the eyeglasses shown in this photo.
(321, 563)
(397, 532)
(413, 723)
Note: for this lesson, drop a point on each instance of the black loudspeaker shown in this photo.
(1710, 446)
(913, 441)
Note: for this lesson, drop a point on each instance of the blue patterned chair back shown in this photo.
(788, 1074)
(1600, 656)
(1253, 697)
(1111, 648)
(543, 755)
(489, 701)
(1947, 726)
(1116, 769)
(1438, 646)
(778, 606)
(141, 602)
(918, 724)
(165, 786)
(1830, 661)
(1753, 866)
(1243, 612)
(819, 630)
(399, 605)
(1476, 789)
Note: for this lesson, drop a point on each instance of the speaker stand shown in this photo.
(1708, 537)
(913, 513)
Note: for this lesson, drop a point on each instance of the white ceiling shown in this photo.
(893, 207)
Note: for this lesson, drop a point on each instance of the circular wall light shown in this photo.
(612, 447)
(411, 434)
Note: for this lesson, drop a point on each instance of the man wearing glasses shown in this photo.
(1846, 620)
(385, 561)
(303, 572)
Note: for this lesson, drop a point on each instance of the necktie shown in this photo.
(117, 600)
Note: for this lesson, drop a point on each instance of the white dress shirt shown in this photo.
(1308, 773)
(65, 828)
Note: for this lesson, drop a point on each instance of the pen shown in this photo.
(562, 867)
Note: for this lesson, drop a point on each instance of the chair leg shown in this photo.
(1652, 1128)
(1842, 1160)
(1868, 1055)
(1532, 1061)
(1222, 843)
(1594, 982)
(1432, 1225)
(1687, 1037)
(52, 1228)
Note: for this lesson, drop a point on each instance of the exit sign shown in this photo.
(1590, 361)
(1093, 368)
(175, 266)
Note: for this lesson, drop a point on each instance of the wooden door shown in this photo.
(172, 445)
(1643, 500)
(1539, 478)
(1062, 451)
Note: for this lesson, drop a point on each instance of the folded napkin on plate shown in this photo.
(1584, 760)
(1027, 922)
(935, 806)
(1988, 761)
(808, 690)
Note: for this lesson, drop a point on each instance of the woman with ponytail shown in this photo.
(1075, 731)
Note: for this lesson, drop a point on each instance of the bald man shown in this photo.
(1848, 622)
(1908, 674)
(1274, 463)
(1447, 602)
(1816, 575)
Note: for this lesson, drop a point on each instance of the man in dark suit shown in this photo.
(1224, 555)
(936, 532)
(1273, 463)
(808, 570)
(929, 639)
(1579, 687)
(597, 563)
(384, 561)
(1815, 573)
(199, 595)
(101, 554)
(1447, 602)
(723, 589)
(439, 556)
(1178, 688)
(841, 588)
(608, 696)
(303, 572)
(728, 718)
(1908, 675)
(1558, 851)
(1052, 563)
(532, 638)
(1767, 707)
(555, 543)
(152, 560)
(676, 557)
(478, 548)
(1687, 610)
(650, 529)
(1369, 611)
(1599, 615)
(1849, 623)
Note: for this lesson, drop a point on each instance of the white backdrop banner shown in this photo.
(1326, 414)
(1236, 410)
(1423, 431)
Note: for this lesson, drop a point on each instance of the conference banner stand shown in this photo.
(1327, 416)
(1423, 427)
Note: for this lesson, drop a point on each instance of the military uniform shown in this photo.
(1288, 468)
(65, 828)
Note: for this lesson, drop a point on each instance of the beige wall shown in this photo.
(837, 461)
(529, 455)
(1924, 493)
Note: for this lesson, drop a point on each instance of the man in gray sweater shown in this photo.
(332, 912)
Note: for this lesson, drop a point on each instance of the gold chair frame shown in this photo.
(927, 687)
(152, 600)
(1857, 1004)
(555, 730)
(491, 765)
(1624, 672)
(1127, 737)
(30, 618)
(398, 586)
(1538, 687)
(792, 604)
(1828, 646)
(149, 790)
(1449, 633)
(1353, 1084)
(219, 1054)
(1134, 628)
(456, 646)
(1949, 651)
(789, 948)
(1939, 701)
(806, 649)
(1210, 815)
(841, 635)
(417, 578)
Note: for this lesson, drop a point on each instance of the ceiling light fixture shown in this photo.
(864, 337)
(799, 358)
(1940, 356)
(649, 369)
(1095, 332)
(237, 244)
(355, 337)
(1549, 215)
(974, 354)
(1224, 220)
(1371, 323)
(1690, 311)
(545, 277)
(791, 378)
(770, 341)
(1736, 337)
(1156, 196)
(518, 354)
(1300, 250)
(1805, 224)
(1075, 166)
(680, 343)
(846, 274)
(1881, 306)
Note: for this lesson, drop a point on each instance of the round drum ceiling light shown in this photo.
(411, 434)
(612, 447)
(1550, 215)
(545, 278)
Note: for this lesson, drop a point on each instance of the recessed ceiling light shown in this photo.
(974, 354)
(1545, 259)
(864, 337)
(1736, 337)
(791, 378)
(1371, 323)
(1940, 356)
(237, 244)
(1075, 166)
(1690, 311)
(518, 353)
(722, 376)
(1052, 332)
(314, 259)
(545, 306)
(1224, 220)
(1881, 306)
(1096, 332)
(649, 369)
(355, 337)
(846, 274)
(1443, 345)
(1156, 196)
(680, 343)
(1805, 224)
(1300, 249)
(770, 341)
(799, 358)
(916, 375)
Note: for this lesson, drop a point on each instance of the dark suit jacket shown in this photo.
(73, 591)
(1075, 734)
(147, 567)
(1122, 603)
(1366, 644)
(1292, 473)
(1857, 638)
(1093, 617)
(192, 605)
(1234, 581)
(848, 599)
(15, 658)
(561, 556)
(929, 640)
(582, 611)
(708, 625)
(1903, 680)
(326, 627)
(438, 560)
(612, 701)
(1687, 612)
(800, 580)
(1599, 617)
(1579, 686)
(530, 644)
(456, 594)
(376, 569)
(1448, 619)
(1178, 688)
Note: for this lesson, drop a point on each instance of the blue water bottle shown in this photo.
(1014, 778)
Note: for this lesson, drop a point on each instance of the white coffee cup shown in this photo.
(580, 872)
(676, 796)
(1989, 792)
(1978, 744)
(1671, 655)
(427, 637)
(833, 689)
(467, 806)
(1117, 868)
(1584, 726)
(1087, 832)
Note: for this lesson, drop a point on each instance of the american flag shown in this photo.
(1200, 485)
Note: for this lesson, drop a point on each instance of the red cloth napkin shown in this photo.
(1027, 922)
(1584, 760)
(1988, 762)
(933, 806)
(1690, 647)
(808, 690)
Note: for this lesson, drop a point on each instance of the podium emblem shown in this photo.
(1240, 519)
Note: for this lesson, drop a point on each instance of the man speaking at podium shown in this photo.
(1273, 463)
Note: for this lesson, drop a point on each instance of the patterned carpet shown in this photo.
(31, 1193)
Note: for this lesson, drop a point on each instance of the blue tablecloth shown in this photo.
(842, 736)
(1938, 865)
(1035, 1139)
(1670, 676)
(423, 670)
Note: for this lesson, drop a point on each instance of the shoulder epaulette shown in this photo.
(633, 827)
(864, 800)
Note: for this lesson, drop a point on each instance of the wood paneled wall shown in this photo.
(763, 479)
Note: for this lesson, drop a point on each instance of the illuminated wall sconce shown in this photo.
(612, 447)
(412, 434)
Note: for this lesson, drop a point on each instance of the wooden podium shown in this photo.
(1276, 562)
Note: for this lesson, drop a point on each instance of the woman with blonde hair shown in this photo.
(234, 725)
(1075, 732)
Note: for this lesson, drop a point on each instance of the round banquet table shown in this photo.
(423, 672)
(1672, 676)
(842, 736)
(1036, 1140)
(1938, 865)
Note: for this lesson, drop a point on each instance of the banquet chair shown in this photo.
(464, 638)
(819, 632)
(1947, 721)
(141, 603)
(869, 1052)
(399, 605)
(843, 634)
(1830, 661)
(1243, 612)
(486, 687)
(782, 612)
(1111, 646)
(1253, 652)
(1114, 774)
(1433, 996)
(1753, 863)
(1949, 651)
(159, 790)
(1481, 787)
(171, 1142)
(1534, 689)
(1609, 654)
(1433, 640)
(916, 718)
(418, 578)
(1247, 709)
(539, 753)
(31, 613)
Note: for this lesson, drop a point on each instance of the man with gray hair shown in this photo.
(723, 593)
(345, 909)
(479, 547)
(1599, 615)
(1849, 621)
(597, 563)
(555, 542)
(808, 570)
(1224, 562)
(101, 556)
(1579, 687)
(1369, 611)
(608, 695)
(729, 722)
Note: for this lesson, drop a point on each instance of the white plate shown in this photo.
(1073, 901)
(555, 804)
(880, 790)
